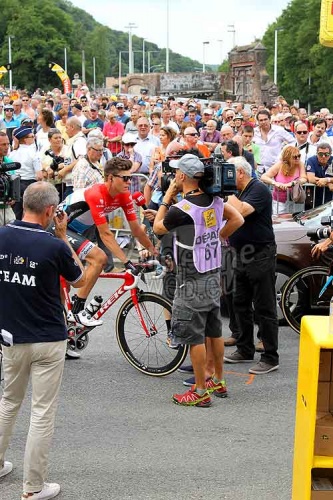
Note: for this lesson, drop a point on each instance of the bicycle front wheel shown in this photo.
(300, 296)
(148, 354)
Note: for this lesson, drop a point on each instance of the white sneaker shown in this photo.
(6, 469)
(50, 490)
(86, 320)
(73, 354)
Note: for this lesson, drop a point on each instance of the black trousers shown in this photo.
(18, 205)
(255, 284)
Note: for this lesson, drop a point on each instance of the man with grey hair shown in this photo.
(88, 170)
(255, 249)
(77, 144)
(34, 341)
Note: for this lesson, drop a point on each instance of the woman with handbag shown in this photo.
(287, 176)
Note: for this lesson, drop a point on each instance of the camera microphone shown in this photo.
(139, 200)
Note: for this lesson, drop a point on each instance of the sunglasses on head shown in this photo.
(125, 178)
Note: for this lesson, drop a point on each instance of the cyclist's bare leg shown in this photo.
(96, 261)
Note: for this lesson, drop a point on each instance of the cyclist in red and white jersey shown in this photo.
(89, 207)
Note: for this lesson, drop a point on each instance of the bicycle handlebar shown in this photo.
(160, 269)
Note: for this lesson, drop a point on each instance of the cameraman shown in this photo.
(6, 212)
(197, 224)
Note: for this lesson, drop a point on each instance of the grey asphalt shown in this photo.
(118, 435)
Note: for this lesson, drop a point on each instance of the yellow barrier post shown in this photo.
(313, 450)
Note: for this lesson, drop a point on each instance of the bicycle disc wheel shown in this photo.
(300, 296)
(150, 355)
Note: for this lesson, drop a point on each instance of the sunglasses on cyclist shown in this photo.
(125, 178)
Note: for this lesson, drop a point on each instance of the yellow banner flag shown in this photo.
(63, 77)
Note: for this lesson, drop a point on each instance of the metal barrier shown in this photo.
(310, 198)
(117, 220)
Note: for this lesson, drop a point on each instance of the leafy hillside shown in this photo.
(41, 29)
(305, 68)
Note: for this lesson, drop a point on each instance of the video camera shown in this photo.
(322, 232)
(9, 184)
(56, 160)
(219, 178)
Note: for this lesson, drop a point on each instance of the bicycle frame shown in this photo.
(130, 284)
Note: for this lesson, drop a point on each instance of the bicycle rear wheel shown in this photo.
(150, 355)
(300, 296)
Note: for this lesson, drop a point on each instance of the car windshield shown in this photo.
(311, 219)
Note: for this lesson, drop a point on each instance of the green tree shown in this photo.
(301, 58)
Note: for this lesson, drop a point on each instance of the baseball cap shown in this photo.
(8, 106)
(119, 105)
(129, 138)
(77, 106)
(207, 111)
(189, 164)
(21, 132)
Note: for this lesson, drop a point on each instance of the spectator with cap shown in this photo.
(92, 122)
(31, 168)
(113, 132)
(238, 124)
(128, 152)
(10, 122)
(206, 116)
(77, 112)
(121, 116)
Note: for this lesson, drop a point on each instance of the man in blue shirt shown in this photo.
(34, 341)
(320, 172)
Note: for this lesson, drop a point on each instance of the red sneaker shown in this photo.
(192, 398)
(219, 388)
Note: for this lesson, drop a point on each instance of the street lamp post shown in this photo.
(143, 56)
(150, 52)
(276, 52)
(130, 27)
(65, 59)
(167, 47)
(203, 56)
(10, 60)
(94, 72)
(83, 67)
(233, 31)
(221, 52)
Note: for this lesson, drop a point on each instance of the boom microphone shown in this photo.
(139, 200)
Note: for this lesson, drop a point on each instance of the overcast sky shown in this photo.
(191, 22)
